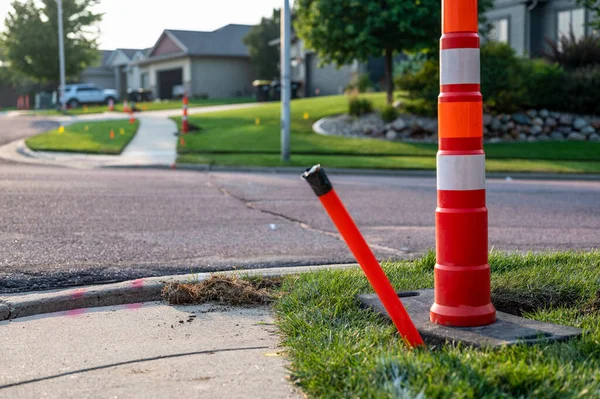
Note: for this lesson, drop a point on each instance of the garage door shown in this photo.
(168, 79)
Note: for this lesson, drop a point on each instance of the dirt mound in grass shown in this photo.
(230, 290)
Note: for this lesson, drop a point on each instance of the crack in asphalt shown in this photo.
(254, 206)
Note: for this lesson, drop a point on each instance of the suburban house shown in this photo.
(213, 64)
(525, 25)
(115, 70)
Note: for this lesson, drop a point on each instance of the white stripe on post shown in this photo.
(459, 66)
(461, 172)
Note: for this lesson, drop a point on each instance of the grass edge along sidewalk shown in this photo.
(338, 349)
(250, 137)
(104, 137)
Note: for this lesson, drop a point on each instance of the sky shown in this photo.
(139, 23)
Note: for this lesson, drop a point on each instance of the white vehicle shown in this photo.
(86, 93)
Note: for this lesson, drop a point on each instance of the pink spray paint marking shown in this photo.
(78, 293)
(134, 306)
(75, 312)
(139, 283)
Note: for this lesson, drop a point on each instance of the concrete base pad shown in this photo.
(507, 330)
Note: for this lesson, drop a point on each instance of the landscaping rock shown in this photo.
(530, 138)
(576, 137)
(505, 118)
(391, 135)
(555, 115)
(538, 121)
(536, 129)
(580, 123)
(565, 129)
(544, 113)
(495, 140)
(487, 119)
(507, 137)
(496, 124)
(542, 137)
(551, 122)
(595, 123)
(566, 120)
(557, 136)
(588, 130)
(398, 124)
(521, 119)
(594, 137)
(532, 113)
(523, 137)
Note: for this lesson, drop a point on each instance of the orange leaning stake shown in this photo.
(462, 272)
(322, 187)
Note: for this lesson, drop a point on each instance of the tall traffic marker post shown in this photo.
(462, 272)
(323, 188)
(185, 126)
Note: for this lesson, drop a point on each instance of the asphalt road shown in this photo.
(18, 127)
(63, 227)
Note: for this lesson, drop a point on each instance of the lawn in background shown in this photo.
(87, 137)
(251, 137)
(340, 350)
(148, 106)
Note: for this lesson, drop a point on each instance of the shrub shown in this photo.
(364, 83)
(571, 53)
(544, 84)
(423, 83)
(502, 77)
(581, 90)
(389, 114)
(359, 106)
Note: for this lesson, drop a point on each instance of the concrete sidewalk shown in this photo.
(144, 351)
(154, 145)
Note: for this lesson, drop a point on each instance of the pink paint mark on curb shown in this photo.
(139, 283)
(78, 293)
(75, 312)
(134, 306)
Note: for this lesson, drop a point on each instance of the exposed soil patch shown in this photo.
(230, 290)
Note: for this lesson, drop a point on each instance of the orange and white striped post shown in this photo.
(185, 125)
(462, 272)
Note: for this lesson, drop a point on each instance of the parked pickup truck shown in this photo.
(86, 93)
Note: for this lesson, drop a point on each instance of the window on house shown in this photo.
(571, 21)
(144, 81)
(499, 31)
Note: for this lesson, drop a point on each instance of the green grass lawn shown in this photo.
(340, 350)
(252, 137)
(149, 106)
(86, 137)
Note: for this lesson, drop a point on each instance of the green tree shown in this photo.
(30, 38)
(594, 6)
(264, 57)
(342, 31)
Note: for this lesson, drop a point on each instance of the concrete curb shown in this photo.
(15, 306)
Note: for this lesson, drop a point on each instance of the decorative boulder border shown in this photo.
(530, 126)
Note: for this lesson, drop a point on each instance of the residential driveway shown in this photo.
(66, 227)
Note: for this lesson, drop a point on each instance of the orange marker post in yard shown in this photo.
(185, 125)
(322, 187)
(111, 104)
(112, 134)
(131, 117)
(462, 272)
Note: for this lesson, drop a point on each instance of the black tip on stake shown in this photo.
(318, 180)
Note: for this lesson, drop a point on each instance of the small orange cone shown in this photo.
(112, 134)
(131, 118)
(181, 142)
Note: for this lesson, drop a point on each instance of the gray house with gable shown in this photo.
(526, 25)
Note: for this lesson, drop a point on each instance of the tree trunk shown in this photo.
(389, 79)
